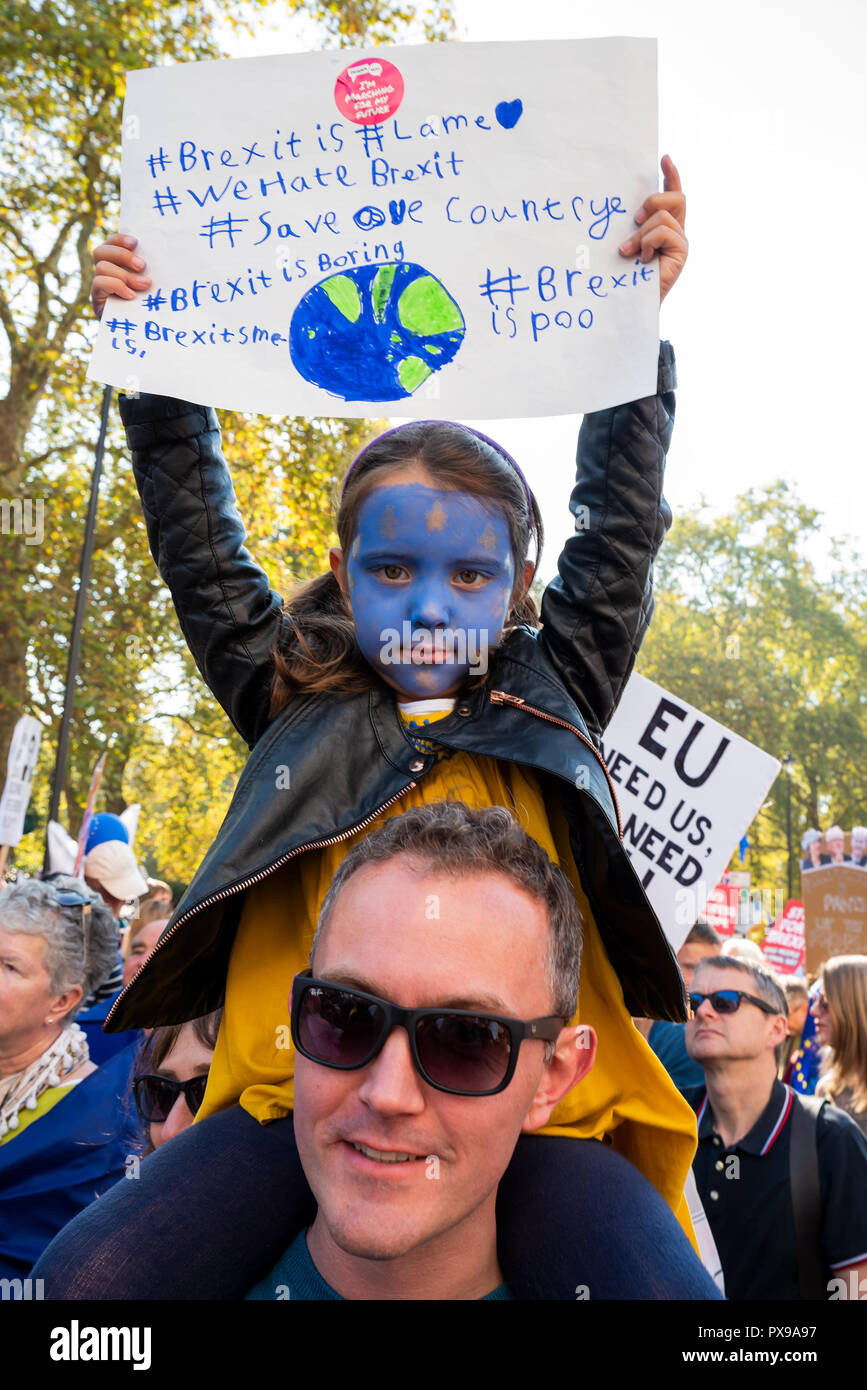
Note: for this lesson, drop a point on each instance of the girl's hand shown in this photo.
(117, 270)
(661, 218)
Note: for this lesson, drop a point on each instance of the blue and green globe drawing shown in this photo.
(375, 333)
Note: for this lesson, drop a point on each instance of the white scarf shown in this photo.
(22, 1089)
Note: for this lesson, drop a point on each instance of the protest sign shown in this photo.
(433, 229)
(21, 765)
(783, 946)
(723, 909)
(688, 788)
(835, 913)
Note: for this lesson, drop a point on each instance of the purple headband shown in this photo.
(504, 453)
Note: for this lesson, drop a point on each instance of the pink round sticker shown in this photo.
(368, 91)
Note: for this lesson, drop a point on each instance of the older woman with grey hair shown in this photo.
(64, 1129)
(811, 844)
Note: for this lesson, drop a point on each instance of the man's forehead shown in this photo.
(423, 937)
(456, 994)
(693, 951)
(722, 977)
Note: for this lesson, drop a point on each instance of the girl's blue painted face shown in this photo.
(430, 576)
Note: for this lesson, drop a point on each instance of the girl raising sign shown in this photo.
(416, 669)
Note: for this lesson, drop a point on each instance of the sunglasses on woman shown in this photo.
(458, 1051)
(728, 1001)
(155, 1095)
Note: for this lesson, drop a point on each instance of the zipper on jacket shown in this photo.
(263, 873)
(500, 697)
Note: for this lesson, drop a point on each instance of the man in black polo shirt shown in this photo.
(744, 1135)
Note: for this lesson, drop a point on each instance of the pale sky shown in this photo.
(759, 107)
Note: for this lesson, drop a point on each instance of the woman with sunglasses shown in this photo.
(65, 1129)
(840, 1011)
(171, 1076)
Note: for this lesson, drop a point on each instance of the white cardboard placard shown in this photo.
(425, 231)
(687, 787)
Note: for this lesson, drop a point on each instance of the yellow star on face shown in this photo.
(436, 517)
(388, 525)
(427, 677)
(488, 538)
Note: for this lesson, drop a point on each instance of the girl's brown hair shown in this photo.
(317, 649)
(162, 1040)
(159, 1045)
(844, 984)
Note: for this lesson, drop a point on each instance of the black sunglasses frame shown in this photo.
(741, 996)
(176, 1087)
(70, 897)
(545, 1029)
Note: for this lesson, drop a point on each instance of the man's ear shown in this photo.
(779, 1030)
(574, 1055)
(338, 568)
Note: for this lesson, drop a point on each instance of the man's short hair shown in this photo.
(767, 986)
(795, 990)
(454, 838)
(703, 933)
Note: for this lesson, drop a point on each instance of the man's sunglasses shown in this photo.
(155, 1095)
(728, 1001)
(454, 1050)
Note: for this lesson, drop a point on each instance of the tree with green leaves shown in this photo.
(63, 75)
(749, 630)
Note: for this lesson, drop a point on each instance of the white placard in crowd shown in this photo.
(21, 765)
(688, 788)
(426, 231)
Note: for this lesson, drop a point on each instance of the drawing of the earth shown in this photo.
(376, 332)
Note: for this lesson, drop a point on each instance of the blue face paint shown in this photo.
(430, 576)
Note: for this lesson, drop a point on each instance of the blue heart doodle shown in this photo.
(508, 113)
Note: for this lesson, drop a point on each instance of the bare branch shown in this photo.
(14, 232)
(165, 714)
(6, 318)
(33, 459)
(104, 538)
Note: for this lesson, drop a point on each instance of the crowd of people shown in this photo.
(834, 852)
(755, 1048)
(64, 957)
(748, 1060)
(414, 1030)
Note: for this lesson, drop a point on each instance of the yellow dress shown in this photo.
(627, 1096)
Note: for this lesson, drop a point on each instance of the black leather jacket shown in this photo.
(548, 695)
